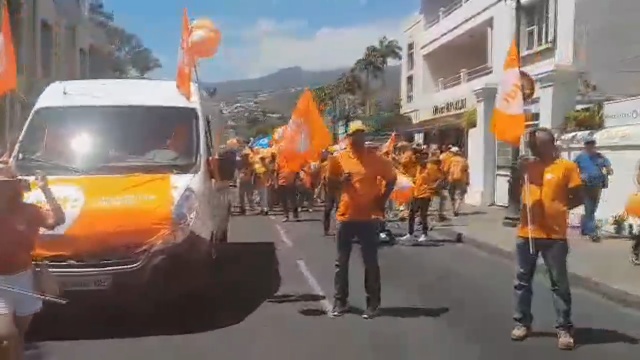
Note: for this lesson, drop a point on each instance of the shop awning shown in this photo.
(449, 121)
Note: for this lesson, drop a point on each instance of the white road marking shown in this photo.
(314, 285)
(284, 236)
(304, 269)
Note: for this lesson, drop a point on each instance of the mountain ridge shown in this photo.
(288, 78)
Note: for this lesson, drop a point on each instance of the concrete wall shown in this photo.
(607, 46)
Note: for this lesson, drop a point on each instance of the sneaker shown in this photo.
(635, 259)
(407, 238)
(286, 219)
(423, 238)
(370, 313)
(520, 332)
(565, 340)
(384, 237)
(339, 309)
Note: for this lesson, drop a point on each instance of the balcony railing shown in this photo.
(443, 13)
(464, 76)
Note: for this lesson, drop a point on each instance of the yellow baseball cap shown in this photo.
(356, 126)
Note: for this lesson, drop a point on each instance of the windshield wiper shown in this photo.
(39, 160)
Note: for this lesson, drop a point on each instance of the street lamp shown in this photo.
(512, 217)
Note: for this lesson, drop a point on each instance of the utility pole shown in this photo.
(512, 218)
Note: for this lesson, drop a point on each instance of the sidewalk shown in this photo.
(603, 267)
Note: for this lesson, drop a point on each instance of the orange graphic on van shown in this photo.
(106, 213)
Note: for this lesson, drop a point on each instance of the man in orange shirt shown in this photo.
(428, 182)
(287, 190)
(356, 171)
(553, 188)
(245, 183)
(331, 194)
(456, 170)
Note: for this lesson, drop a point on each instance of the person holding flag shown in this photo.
(356, 171)
(20, 224)
(550, 186)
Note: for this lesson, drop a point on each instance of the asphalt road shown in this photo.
(446, 301)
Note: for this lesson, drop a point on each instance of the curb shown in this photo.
(612, 294)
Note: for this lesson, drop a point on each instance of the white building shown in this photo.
(55, 40)
(455, 52)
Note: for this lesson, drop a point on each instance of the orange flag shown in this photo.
(185, 60)
(8, 67)
(306, 135)
(388, 146)
(508, 122)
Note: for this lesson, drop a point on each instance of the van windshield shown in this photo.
(109, 140)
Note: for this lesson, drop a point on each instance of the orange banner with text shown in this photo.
(107, 213)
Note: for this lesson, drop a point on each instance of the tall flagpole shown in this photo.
(512, 218)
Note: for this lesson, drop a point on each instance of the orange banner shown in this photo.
(107, 213)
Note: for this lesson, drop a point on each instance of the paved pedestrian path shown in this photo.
(603, 267)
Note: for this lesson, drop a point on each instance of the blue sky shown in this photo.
(262, 36)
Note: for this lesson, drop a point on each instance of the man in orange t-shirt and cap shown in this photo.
(357, 171)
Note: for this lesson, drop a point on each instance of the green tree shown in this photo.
(389, 50)
(370, 66)
(128, 56)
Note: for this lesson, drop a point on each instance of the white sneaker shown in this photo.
(383, 237)
(423, 238)
(408, 237)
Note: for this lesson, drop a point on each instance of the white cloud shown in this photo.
(270, 45)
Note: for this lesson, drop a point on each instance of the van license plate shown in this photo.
(87, 283)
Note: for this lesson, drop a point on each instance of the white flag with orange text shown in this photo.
(508, 121)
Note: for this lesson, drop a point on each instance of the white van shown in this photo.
(130, 162)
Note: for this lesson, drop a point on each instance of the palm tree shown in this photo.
(372, 66)
(389, 50)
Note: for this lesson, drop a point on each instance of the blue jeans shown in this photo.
(554, 253)
(591, 200)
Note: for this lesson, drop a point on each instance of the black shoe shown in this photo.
(339, 309)
(370, 313)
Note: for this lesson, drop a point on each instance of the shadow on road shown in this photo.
(292, 298)
(591, 336)
(396, 312)
(406, 312)
(243, 277)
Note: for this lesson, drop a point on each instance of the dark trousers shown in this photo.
(635, 247)
(367, 233)
(330, 204)
(419, 206)
(554, 253)
(288, 199)
(591, 201)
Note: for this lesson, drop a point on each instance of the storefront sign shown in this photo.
(624, 112)
(450, 107)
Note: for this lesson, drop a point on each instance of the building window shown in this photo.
(410, 88)
(411, 62)
(538, 26)
(46, 49)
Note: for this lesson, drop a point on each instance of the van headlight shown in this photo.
(184, 212)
